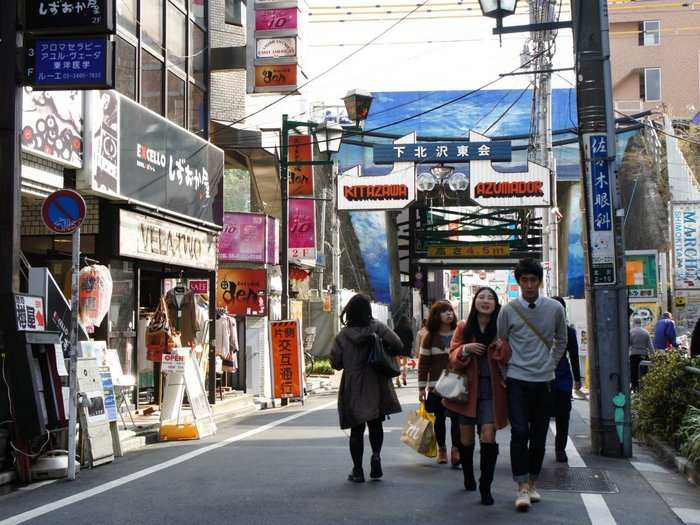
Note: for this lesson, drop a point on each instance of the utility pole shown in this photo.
(284, 237)
(543, 12)
(608, 326)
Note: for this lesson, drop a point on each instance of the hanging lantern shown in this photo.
(95, 294)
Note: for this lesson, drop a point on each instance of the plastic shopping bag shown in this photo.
(419, 432)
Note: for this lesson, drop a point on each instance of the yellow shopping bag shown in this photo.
(419, 432)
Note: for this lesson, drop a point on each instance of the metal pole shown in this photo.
(336, 252)
(284, 190)
(603, 242)
(322, 241)
(73, 366)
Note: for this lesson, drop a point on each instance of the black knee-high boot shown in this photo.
(489, 455)
(466, 459)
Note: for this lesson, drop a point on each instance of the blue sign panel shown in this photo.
(108, 393)
(600, 177)
(437, 152)
(63, 211)
(69, 63)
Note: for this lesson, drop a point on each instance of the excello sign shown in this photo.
(686, 244)
(144, 237)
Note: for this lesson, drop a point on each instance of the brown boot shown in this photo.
(454, 457)
(442, 456)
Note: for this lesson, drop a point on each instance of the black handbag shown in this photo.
(379, 359)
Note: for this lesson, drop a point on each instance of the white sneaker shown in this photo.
(523, 502)
(534, 495)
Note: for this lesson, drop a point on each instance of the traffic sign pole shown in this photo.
(73, 365)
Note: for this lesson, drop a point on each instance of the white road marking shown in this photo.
(598, 511)
(687, 516)
(575, 459)
(80, 496)
(643, 466)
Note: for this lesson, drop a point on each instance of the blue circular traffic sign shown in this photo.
(63, 211)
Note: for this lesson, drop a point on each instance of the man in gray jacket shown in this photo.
(535, 328)
(640, 348)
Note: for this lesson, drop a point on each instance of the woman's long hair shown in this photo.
(358, 312)
(434, 317)
(471, 327)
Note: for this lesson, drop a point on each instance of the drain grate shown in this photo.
(576, 479)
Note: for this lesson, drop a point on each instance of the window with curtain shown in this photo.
(125, 81)
(176, 36)
(152, 82)
(176, 99)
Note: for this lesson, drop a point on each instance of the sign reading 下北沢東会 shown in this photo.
(68, 16)
(686, 244)
(69, 62)
(435, 152)
(145, 237)
(132, 153)
(600, 221)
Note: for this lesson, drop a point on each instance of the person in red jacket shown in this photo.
(474, 351)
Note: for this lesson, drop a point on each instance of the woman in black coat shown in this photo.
(365, 396)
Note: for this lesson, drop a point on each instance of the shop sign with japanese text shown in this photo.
(602, 242)
(285, 341)
(131, 153)
(302, 229)
(249, 237)
(474, 250)
(301, 178)
(276, 19)
(145, 237)
(242, 291)
(68, 16)
(434, 152)
(686, 244)
(281, 47)
(29, 313)
(69, 62)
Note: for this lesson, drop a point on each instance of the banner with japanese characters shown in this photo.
(301, 178)
(285, 341)
(133, 153)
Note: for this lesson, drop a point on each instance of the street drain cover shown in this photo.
(576, 479)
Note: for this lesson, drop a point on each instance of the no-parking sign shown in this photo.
(63, 211)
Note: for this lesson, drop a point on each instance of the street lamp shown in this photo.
(443, 176)
(357, 103)
(329, 137)
(498, 9)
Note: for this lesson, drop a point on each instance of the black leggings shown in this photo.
(434, 405)
(357, 440)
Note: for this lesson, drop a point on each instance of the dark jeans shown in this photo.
(357, 440)
(434, 405)
(634, 369)
(561, 413)
(529, 409)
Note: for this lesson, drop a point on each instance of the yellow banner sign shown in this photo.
(474, 250)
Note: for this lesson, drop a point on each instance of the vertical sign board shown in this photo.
(285, 341)
(29, 313)
(600, 226)
(302, 229)
(641, 274)
(686, 245)
(110, 404)
(93, 411)
(301, 178)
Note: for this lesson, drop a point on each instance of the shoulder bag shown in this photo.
(379, 359)
(160, 338)
(521, 313)
(453, 386)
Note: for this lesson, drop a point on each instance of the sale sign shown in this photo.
(301, 178)
(285, 341)
(302, 229)
(242, 291)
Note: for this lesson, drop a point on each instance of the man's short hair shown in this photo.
(528, 266)
(637, 321)
(666, 315)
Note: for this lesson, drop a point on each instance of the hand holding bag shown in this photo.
(379, 359)
(160, 338)
(453, 386)
(419, 432)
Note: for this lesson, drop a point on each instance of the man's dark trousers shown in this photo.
(529, 410)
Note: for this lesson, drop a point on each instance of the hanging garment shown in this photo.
(227, 342)
(182, 313)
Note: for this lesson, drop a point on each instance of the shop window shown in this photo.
(650, 84)
(237, 189)
(152, 24)
(198, 116)
(152, 82)
(122, 315)
(650, 33)
(176, 37)
(126, 15)
(197, 53)
(176, 99)
(198, 12)
(126, 68)
(234, 12)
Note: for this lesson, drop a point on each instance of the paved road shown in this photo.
(290, 466)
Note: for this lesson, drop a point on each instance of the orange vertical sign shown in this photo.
(286, 359)
(301, 178)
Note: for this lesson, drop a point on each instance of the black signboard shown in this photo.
(68, 16)
(139, 155)
(69, 62)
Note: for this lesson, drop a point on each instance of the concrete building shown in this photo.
(656, 57)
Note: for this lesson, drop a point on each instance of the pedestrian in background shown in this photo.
(535, 328)
(695, 340)
(665, 332)
(419, 336)
(433, 360)
(365, 397)
(474, 352)
(405, 333)
(640, 348)
(567, 376)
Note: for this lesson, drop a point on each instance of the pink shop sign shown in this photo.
(243, 238)
(276, 19)
(302, 228)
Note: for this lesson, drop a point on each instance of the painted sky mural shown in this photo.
(495, 113)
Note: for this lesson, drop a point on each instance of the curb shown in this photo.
(671, 456)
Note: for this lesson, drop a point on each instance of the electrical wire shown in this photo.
(36, 454)
(658, 130)
(9, 396)
(508, 108)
